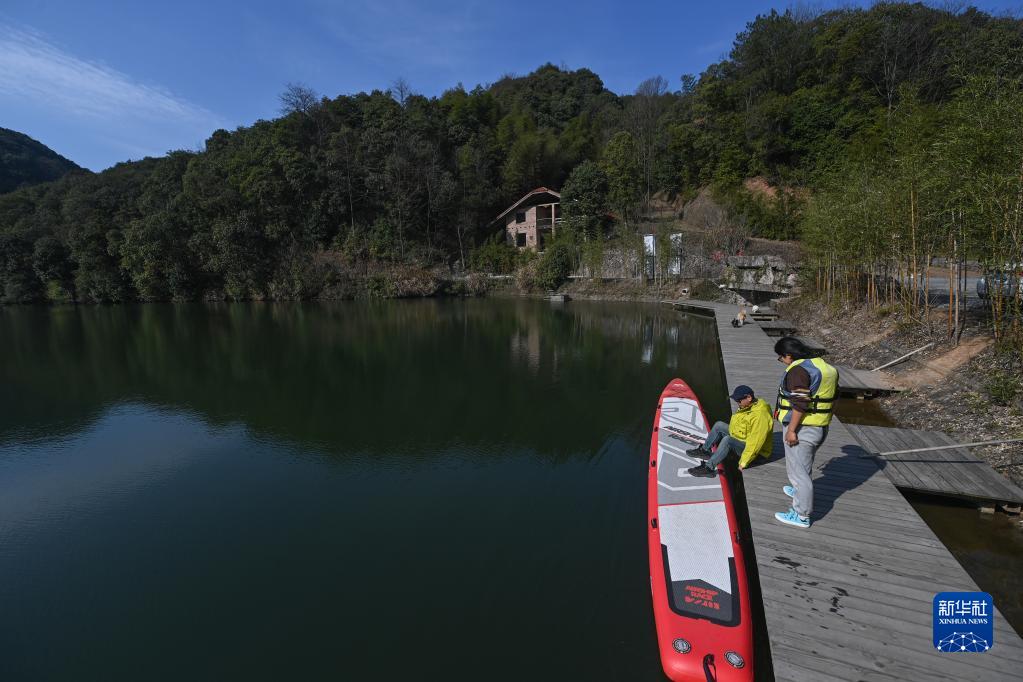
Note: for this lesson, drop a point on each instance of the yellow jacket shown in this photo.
(753, 425)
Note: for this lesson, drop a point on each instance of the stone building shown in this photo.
(532, 220)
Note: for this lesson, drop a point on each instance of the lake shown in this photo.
(353, 490)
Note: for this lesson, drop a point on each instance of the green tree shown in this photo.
(52, 264)
(623, 174)
(584, 200)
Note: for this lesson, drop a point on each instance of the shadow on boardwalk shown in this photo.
(837, 476)
(840, 475)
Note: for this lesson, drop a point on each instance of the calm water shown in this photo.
(867, 412)
(989, 546)
(415, 489)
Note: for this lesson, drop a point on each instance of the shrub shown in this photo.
(495, 256)
(378, 285)
(554, 266)
(1002, 387)
(704, 290)
(476, 284)
(525, 276)
(340, 286)
(407, 281)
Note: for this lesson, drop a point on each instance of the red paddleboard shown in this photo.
(697, 574)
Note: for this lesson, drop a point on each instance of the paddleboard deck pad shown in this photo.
(697, 574)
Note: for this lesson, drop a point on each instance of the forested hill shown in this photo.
(395, 177)
(24, 161)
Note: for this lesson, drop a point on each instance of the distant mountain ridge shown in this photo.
(24, 161)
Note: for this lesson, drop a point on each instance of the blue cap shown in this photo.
(740, 392)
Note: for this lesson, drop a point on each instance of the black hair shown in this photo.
(790, 345)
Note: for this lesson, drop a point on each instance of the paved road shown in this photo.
(937, 286)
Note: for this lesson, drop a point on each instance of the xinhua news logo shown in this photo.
(964, 622)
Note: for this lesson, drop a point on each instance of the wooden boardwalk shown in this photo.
(863, 382)
(851, 597)
(777, 327)
(765, 315)
(817, 348)
(956, 472)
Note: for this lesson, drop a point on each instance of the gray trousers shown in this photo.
(799, 465)
(726, 444)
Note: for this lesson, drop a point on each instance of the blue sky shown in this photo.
(130, 79)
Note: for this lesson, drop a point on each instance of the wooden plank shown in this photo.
(900, 655)
(990, 479)
(893, 517)
(882, 534)
(845, 550)
(889, 607)
(873, 580)
(813, 667)
(932, 479)
(948, 463)
(948, 472)
(937, 478)
(864, 593)
(779, 325)
(848, 378)
(901, 475)
(851, 378)
(962, 479)
(814, 345)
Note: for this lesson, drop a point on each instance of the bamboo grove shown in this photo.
(934, 190)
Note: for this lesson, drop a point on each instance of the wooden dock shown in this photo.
(851, 597)
(778, 327)
(863, 383)
(956, 472)
(817, 349)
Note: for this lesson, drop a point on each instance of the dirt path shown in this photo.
(937, 369)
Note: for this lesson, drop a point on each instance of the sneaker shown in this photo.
(790, 491)
(702, 471)
(699, 453)
(791, 518)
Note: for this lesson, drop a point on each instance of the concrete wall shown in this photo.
(537, 218)
(528, 227)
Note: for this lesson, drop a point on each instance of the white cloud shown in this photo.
(95, 99)
(33, 68)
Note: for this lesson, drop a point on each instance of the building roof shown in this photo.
(538, 190)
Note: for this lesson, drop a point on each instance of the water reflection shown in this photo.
(287, 491)
(328, 375)
(989, 546)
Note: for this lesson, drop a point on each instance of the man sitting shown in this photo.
(748, 432)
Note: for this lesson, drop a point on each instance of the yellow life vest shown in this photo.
(823, 392)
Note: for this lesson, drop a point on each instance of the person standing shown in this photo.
(806, 397)
(748, 432)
